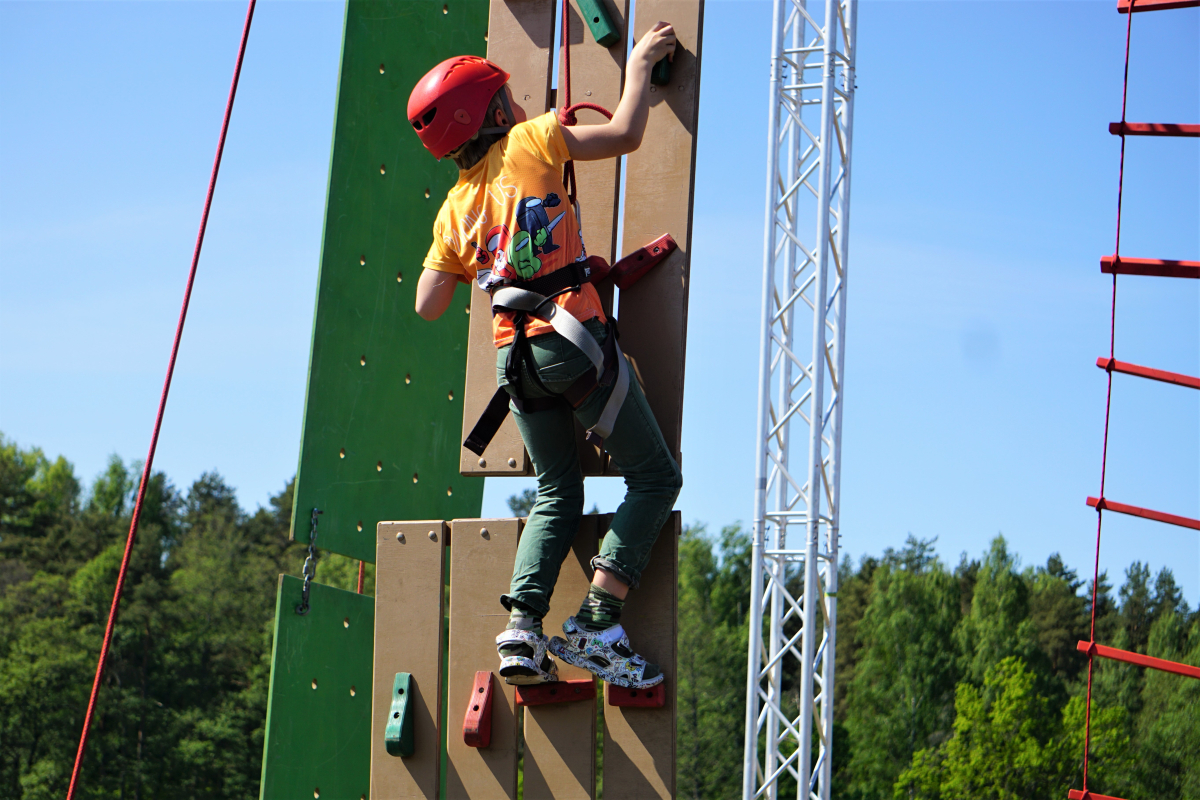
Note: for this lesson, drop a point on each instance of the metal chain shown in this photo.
(310, 567)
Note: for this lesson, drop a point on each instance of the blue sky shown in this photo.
(984, 194)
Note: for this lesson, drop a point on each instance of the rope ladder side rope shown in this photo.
(1152, 267)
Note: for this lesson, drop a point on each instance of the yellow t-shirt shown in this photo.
(509, 214)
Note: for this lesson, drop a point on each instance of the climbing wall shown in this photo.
(384, 401)
(383, 406)
(658, 199)
(319, 707)
(558, 721)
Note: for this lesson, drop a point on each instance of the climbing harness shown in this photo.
(310, 564)
(534, 298)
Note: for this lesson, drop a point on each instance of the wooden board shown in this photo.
(520, 34)
(319, 702)
(481, 558)
(597, 75)
(408, 638)
(560, 740)
(660, 178)
(639, 743)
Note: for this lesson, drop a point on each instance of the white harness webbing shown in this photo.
(511, 298)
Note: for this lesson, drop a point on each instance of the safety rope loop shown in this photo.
(162, 404)
(567, 116)
(1112, 339)
(310, 564)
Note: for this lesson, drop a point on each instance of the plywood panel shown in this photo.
(319, 704)
(520, 33)
(384, 392)
(639, 743)
(560, 740)
(597, 75)
(481, 559)
(408, 638)
(658, 199)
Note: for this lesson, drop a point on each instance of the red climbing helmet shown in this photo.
(447, 106)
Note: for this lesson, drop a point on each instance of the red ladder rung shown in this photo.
(1075, 794)
(1153, 5)
(1158, 267)
(1153, 129)
(1157, 516)
(1112, 365)
(1187, 670)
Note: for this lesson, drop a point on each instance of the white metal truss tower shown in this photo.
(793, 607)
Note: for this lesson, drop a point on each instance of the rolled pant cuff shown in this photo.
(508, 601)
(629, 579)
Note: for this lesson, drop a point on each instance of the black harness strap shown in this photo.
(497, 408)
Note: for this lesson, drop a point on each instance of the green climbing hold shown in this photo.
(660, 75)
(596, 16)
(398, 736)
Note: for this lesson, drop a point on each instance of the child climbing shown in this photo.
(509, 225)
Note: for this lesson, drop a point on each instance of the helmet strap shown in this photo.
(507, 113)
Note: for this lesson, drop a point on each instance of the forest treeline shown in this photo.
(958, 682)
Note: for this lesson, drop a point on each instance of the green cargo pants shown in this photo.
(636, 445)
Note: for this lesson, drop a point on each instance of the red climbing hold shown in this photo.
(630, 269)
(654, 697)
(544, 694)
(477, 727)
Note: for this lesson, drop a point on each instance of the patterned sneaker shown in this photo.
(530, 663)
(606, 653)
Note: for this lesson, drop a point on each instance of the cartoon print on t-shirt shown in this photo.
(516, 255)
(497, 244)
(535, 232)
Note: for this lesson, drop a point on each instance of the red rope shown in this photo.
(567, 116)
(162, 402)
(1112, 338)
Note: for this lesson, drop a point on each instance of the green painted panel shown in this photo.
(383, 411)
(318, 739)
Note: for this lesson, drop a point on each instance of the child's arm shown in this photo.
(435, 290)
(623, 133)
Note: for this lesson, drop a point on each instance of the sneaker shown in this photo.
(606, 653)
(534, 666)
